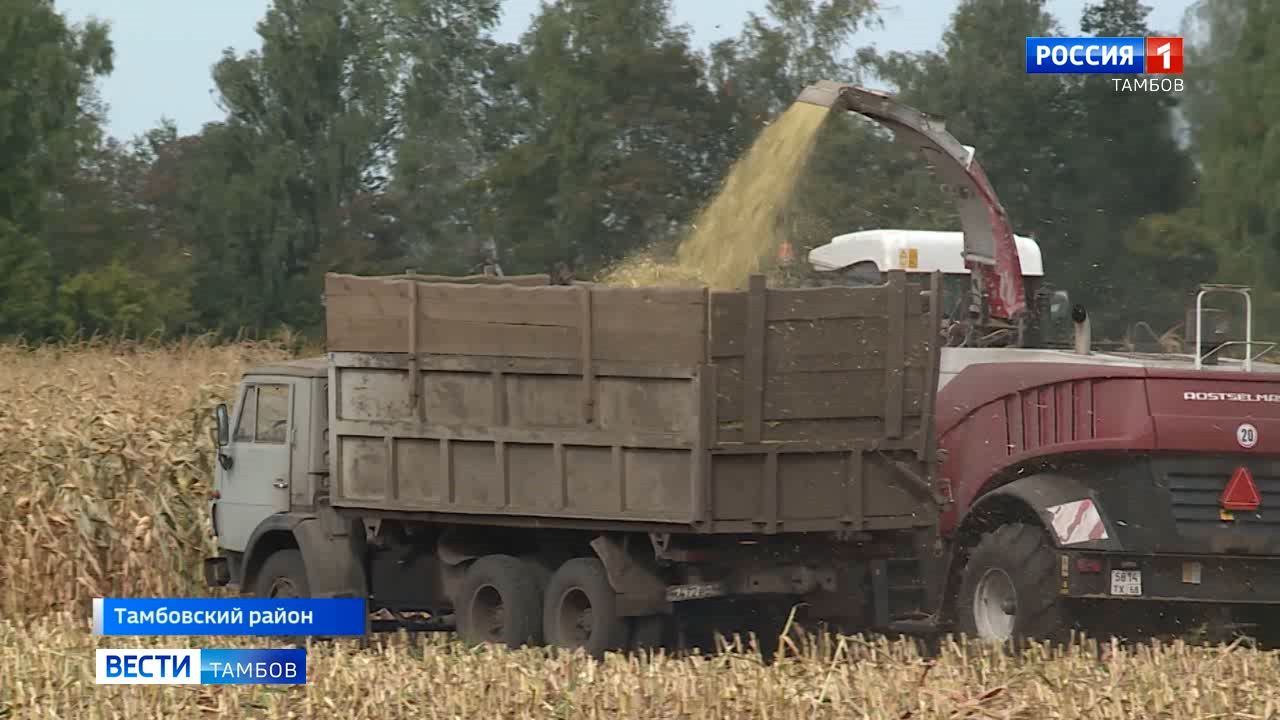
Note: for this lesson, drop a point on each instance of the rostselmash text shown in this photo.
(1232, 397)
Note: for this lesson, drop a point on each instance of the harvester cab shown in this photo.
(1210, 332)
(864, 258)
(997, 312)
(998, 273)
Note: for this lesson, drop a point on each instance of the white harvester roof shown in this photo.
(913, 251)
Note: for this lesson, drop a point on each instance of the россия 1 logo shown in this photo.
(1110, 56)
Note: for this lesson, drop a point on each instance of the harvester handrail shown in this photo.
(1248, 324)
(1269, 347)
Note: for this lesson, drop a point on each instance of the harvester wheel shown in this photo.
(580, 609)
(1009, 588)
(500, 602)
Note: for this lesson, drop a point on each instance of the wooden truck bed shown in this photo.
(767, 410)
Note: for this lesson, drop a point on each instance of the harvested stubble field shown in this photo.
(104, 474)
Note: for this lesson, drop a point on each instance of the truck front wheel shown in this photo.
(1009, 588)
(282, 575)
(500, 602)
(580, 609)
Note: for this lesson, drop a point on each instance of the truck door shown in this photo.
(256, 485)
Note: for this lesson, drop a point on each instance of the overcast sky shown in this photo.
(165, 48)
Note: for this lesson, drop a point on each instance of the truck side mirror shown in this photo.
(223, 436)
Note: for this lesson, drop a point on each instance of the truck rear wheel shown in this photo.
(1009, 588)
(282, 575)
(500, 602)
(580, 609)
(648, 632)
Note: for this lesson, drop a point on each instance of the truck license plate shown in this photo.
(1126, 582)
(680, 593)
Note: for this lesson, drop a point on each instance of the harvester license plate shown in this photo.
(1126, 582)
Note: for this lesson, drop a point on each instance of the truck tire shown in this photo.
(500, 602)
(282, 575)
(1009, 588)
(541, 575)
(580, 609)
(648, 632)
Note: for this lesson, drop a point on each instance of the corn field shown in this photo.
(105, 461)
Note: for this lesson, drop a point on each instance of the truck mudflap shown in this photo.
(1170, 578)
(218, 571)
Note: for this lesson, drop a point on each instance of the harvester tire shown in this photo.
(1009, 588)
(500, 602)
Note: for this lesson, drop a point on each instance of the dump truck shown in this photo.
(575, 464)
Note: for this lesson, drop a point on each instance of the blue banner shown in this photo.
(253, 667)
(229, 616)
(224, 666)
(1086, 55)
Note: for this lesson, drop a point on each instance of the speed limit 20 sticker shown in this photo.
(1246, 435)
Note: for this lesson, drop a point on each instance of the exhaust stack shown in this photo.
(1083, 330)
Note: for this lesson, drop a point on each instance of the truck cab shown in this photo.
(272, 463)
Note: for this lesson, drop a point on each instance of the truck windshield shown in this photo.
(265, 417)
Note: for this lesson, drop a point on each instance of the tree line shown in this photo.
(373, 136)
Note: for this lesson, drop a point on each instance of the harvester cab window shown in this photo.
(955, 293)
(273, 413)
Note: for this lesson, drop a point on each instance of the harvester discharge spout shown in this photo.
(989, 249)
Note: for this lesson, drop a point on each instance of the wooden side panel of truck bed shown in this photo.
(759, 411)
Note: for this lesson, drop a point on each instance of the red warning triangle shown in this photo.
(1241, 493)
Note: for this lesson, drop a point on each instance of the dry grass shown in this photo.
(47, 671)
(105, 464)
(104, 468)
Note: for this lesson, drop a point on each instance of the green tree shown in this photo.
(1239, 148)
(455, 114)
(1132, 177)
(117, 301)
(613, 146)
(284, 189)
(25, 287)
(794, 43)
(1076, 163)
(759, 75)
(117, 268)
(1212, 31)
(48, 116)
